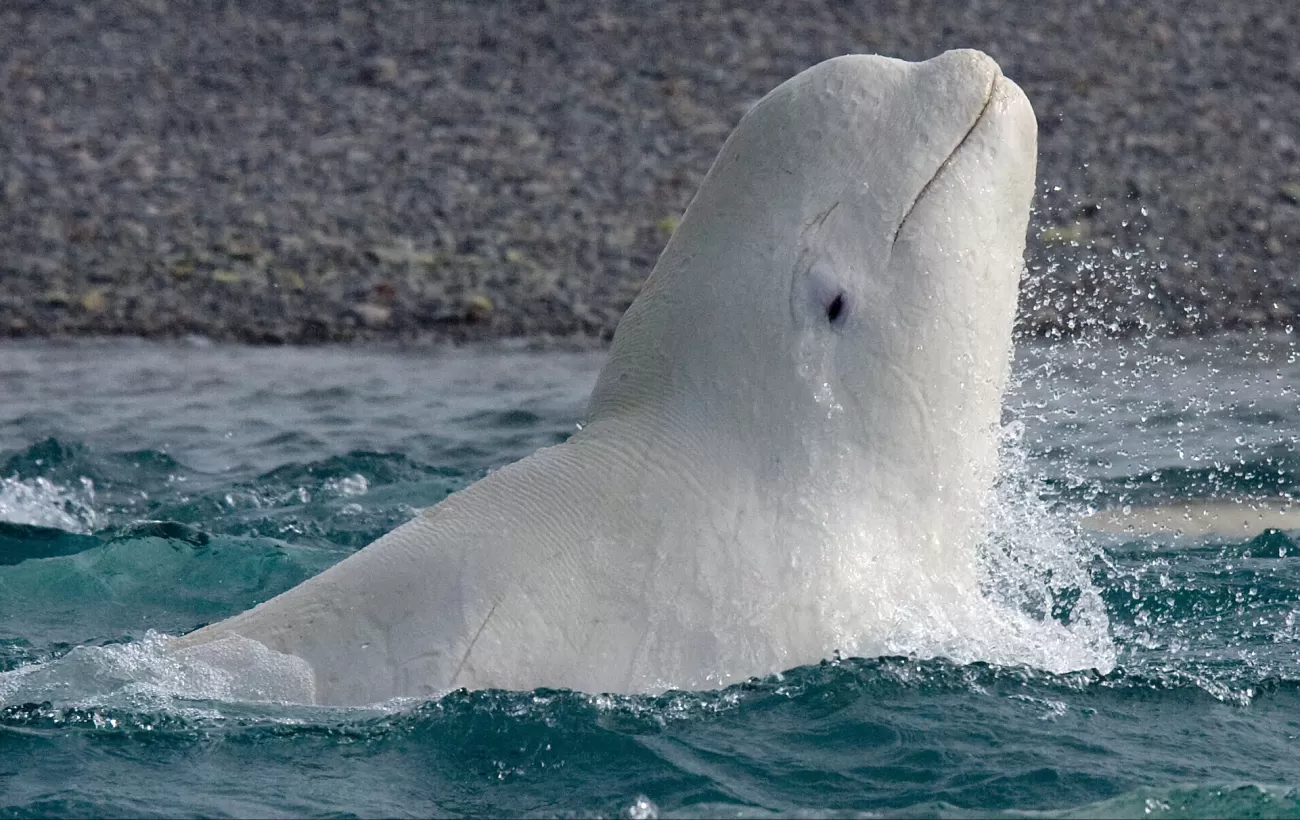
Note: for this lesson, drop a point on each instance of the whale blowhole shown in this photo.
(835, 311)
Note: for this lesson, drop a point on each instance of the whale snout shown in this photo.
(977, 93)
(961, 67)
(996, 121)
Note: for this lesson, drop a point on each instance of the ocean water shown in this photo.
(147, 489)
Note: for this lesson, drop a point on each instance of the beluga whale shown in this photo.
(788, 454)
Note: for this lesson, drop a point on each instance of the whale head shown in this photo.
(842, 289)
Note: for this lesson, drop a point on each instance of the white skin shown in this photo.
(789, 447)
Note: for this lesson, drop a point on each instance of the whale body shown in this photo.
(789, 450)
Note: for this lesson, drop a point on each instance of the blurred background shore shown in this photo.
(292, 171)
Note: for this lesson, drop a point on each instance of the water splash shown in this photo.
(1035, 563)
(1018, 592)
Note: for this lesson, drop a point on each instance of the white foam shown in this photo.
(144, 672)
(40, 502)
(347, 486)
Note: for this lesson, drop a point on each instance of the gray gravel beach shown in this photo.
(292, 171)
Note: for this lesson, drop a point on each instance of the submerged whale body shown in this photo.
(787, 454)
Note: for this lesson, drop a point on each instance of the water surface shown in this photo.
(159, 487)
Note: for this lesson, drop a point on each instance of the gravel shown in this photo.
(293, 171)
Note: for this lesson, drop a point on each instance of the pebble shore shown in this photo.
(287, 171)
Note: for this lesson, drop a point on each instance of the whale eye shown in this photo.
(835, 311)
(820, 297)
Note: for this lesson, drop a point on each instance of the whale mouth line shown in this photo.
(988, 100)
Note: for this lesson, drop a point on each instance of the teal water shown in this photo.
(150, 489)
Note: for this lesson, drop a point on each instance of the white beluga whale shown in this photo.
(787, 455)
